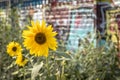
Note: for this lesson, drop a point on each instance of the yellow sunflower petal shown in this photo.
(33, 24)
(39, 38)
(38, 25)
(27, 33)
(13, 49)
(20, 62)
(43, 24)
(45, 52)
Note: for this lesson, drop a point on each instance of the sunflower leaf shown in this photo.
(35, 70)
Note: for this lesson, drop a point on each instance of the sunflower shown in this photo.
(39, 38)
(20, 61)
(14, 49)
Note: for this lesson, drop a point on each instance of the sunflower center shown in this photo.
(40, 38)
(14, 48)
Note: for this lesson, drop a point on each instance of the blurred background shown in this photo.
(73, 20)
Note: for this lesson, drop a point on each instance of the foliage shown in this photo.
(8, 33)
(87, 63)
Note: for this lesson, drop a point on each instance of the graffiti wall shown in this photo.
(107, 12)
(101, 8)
(82, 23)
(72, 20)
(59, 17)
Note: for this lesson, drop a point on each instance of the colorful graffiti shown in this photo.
(108, 21)
(72, 20)
(59, 18)
(113, 23)
(82, 24)
(101, 15)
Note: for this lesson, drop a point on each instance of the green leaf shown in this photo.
(35, 70)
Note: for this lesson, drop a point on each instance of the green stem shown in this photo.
(24, 73)
(48, 70)
(62, 76)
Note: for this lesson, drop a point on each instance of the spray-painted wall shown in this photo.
(107, 12)
(72, 20)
